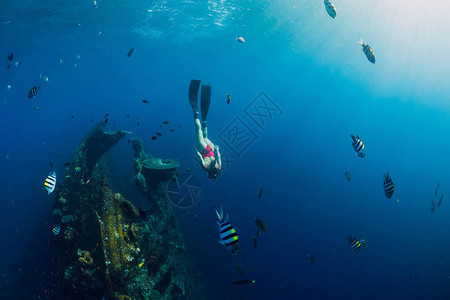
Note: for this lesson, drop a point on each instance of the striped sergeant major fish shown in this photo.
(358, 146)
(331, 9)
(348, 176)
(56, 230)
(33, 91)
(388, 186)
(367, 51)
(50, 182)
(228, 235)
(356, 244)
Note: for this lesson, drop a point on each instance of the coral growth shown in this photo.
(86, 258)
(132, 255)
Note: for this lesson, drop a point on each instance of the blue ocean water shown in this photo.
(319, 87)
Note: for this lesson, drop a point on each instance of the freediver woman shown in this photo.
(203, 146)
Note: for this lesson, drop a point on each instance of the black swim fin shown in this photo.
(193, 92)
(205, 101)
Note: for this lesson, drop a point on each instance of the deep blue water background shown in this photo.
(305, 62)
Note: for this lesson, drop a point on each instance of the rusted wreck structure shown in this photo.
(106, 248)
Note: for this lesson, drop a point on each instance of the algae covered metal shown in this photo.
(108, 248)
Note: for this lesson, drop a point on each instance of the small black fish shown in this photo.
(228, 98)
(255, 242)
(171, 130)
(51, 165)
(261, 190)
(11, 56)
(166, 122)
(130, 52)
(129, 141)
(128, 116)
(9, 66)
(437, 188)
(159, 134)
(105, 116)
(312, 260)
(154, 138)
(106, 121)
(74, 117)
(243, 281)
(67, 164)
(137, 124)
(433, 206)
(145, 101)
(261, 225)
(33, 91)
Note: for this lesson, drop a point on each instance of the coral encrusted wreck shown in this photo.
(108, 249)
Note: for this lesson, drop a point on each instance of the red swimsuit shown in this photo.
(208, 152)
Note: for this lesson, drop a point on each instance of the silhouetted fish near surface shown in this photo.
(137, 124)
(437, 188)
(331, 9)
(144, 101)
(433, 206)
(130, 52)
(159, 134)
(261, 190)
(106, 121)
(11, 56)
(367, 51)
(67, 164)
(228, 98)
(171, 130)
(166, 122)
(243, 281)
(33, 91)
(154, 138)
(311, 259)
(105, 116)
